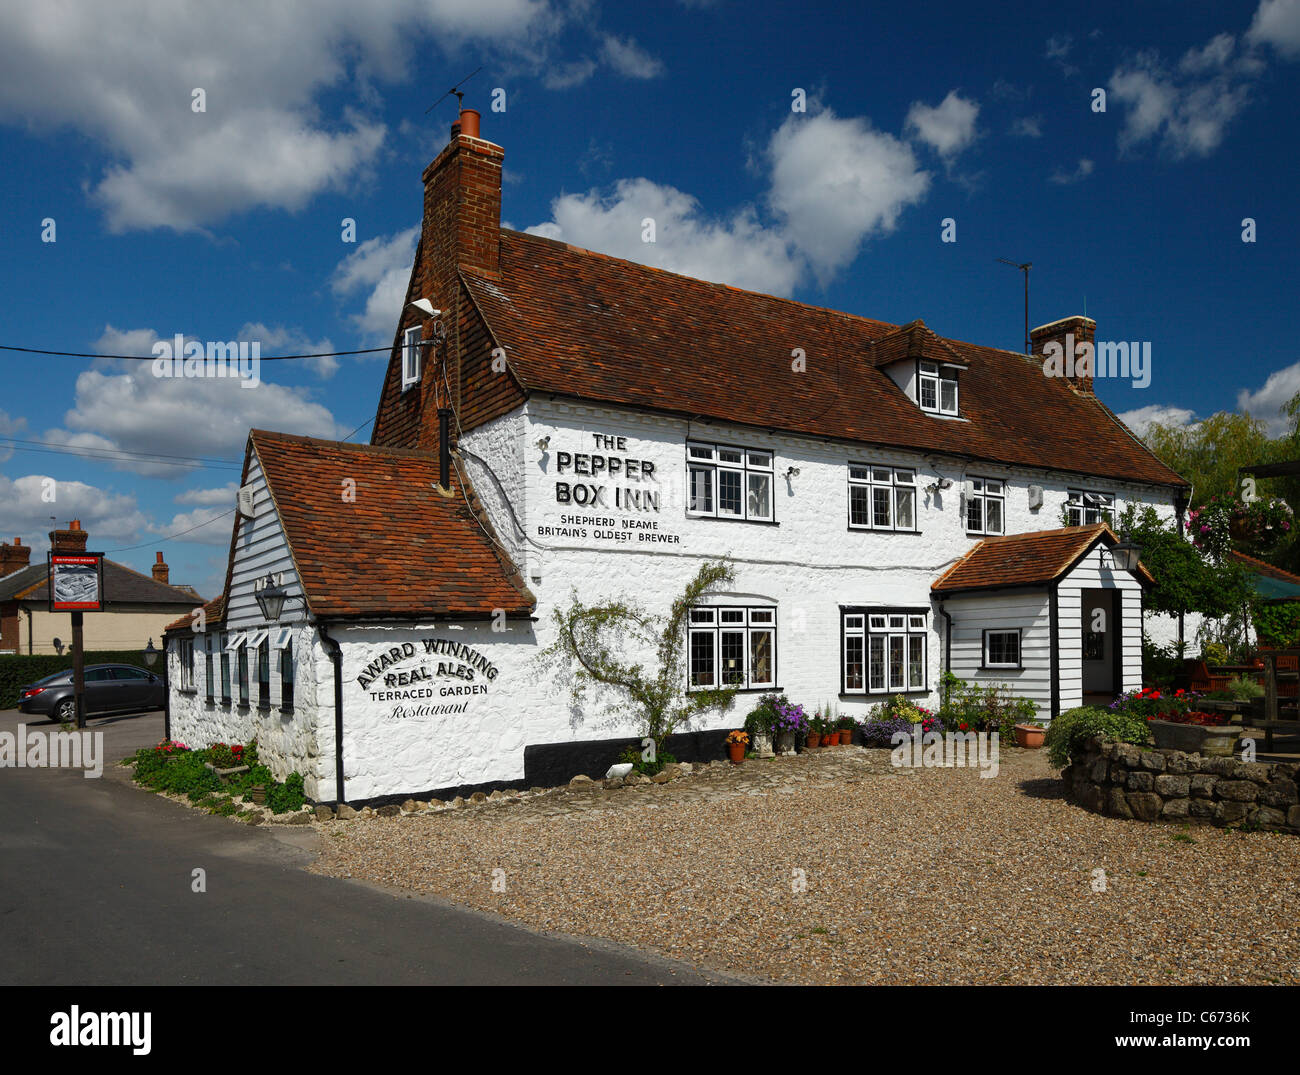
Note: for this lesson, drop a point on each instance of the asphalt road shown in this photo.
(95, 889)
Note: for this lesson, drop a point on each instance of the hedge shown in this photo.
(19, 670)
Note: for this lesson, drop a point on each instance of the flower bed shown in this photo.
(174, 768)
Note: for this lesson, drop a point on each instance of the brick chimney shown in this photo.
(14, 557)
(1073, 362)
(161, 572)
(71, 540)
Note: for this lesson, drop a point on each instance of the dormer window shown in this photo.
(936, 389)
(411, 357)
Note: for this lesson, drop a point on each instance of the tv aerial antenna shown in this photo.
(1024, 268)
(456, 90)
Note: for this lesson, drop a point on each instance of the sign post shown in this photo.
(76, 585)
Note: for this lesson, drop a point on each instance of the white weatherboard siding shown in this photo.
(1028, 612)
(260, 547)
(1088, 574)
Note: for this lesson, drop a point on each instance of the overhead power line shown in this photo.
(152, 358)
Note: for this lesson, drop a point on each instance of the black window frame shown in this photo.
(264, 674)
(859, 621)
(210, 685)
(871, 483)
(715, 466)
(226, 682)
(241, 664)
(981, 496)
(984, 649)
(715, 628)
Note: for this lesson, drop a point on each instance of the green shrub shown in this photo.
(281, 798)
(1075, 726)
(646, 768)
(983, 708)
(1243, 689)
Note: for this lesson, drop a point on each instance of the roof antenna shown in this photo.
(456, 89)
(1024, 268)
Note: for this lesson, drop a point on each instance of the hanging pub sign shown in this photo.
(76, 582)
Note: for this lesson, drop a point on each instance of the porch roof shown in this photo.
(1019, 560)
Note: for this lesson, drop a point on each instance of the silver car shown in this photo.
(110, 688)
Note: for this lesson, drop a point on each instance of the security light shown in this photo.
(426, 307)
(543, 444)
(792, 472)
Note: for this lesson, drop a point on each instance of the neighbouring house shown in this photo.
(137, 607)
(554, 422)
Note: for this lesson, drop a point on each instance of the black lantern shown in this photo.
(150, 654)
(270, 599)
(1125, 554)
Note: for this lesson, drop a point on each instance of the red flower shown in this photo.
(964, 727)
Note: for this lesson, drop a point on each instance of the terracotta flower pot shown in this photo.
(814, 740)
(1027, 735)
(736, 752)
(839, 738)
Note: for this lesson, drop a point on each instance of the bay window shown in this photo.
(729, 646)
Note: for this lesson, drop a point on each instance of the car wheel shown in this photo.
(66, 711)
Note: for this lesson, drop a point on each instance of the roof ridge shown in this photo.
(323, 442)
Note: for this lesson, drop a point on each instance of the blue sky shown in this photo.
(226, 223)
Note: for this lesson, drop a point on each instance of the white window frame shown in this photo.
(883, 630)
(751, 622)
(988, 636)
(748, 465)
(1085, 507)
(898, 480)
(934, 376)
(983, 493)
(411, 363)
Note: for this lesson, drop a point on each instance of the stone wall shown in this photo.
(1121, 780)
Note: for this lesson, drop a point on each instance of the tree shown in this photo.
(602, 646)
(1185, 580)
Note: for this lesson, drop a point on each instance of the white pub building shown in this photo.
(554, 421)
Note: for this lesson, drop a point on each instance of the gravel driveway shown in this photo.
(931, 876)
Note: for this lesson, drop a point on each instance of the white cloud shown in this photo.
(947, 128)
(564, 76)
(1028, 127)
(224, 495)
(278, 340)
(1058, 46)
(380, 268)
(738, 249)
(108, 517)
(1081, 171)
(1266, 402)
(1141, 419)
(11, 427)
(1277, 23)
(833, 183)
(1188, 111)
(124, 78)
(127, 408)
(837, 182)
(202, 526)
(628, 58)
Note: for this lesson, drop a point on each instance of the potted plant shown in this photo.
(1030, 734)
(789, 722)
(814, 731)
(846, 730)
(736, 743)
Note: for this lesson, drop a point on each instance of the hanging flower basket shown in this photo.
(1222, 521)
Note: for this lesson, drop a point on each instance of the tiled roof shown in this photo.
(401, 549)
(1259, 567)
(582, 324)
(1025, 559)
(122, 586)
(915, 340)
(214, 615)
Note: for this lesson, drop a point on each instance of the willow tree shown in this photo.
(604, 648)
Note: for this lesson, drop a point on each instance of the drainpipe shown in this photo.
(336, 657)
(167, 692)
(947, 645)
(444, 447)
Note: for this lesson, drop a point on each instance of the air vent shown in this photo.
(244, 501)
(1035, 497)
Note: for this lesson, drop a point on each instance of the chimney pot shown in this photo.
(469, 121)
(161, 572)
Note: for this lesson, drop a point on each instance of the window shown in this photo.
(936, 389)
(985, 509)
(185, 648)
(286, 676)
(729, 483)
(731, 647)
(884, 652)
(411, 356)
(225, 670)
(264, 674)
(243, 675)
(1002, 649)
(882, 498)
(211, 686)
(1084, 508)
